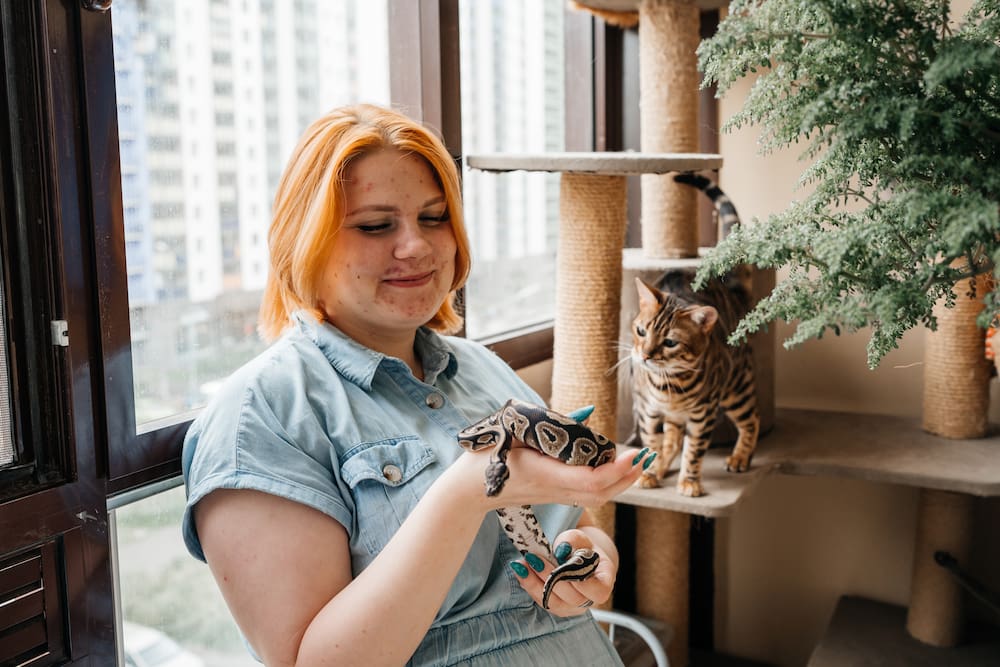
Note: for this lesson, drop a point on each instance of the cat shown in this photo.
(683, 370)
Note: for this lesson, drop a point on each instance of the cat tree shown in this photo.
(592, 224)
(591, 244)
(956, 402)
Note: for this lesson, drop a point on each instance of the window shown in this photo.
(195, 269)
(206, 170)
(512, 102)
(169, 601)
(6, 423)
(224, 273)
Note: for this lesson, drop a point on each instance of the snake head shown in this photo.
(497, 474)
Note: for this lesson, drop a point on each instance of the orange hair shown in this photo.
(309, 208)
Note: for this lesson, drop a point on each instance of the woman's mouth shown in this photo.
(415, 280)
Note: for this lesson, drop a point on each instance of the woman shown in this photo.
(326, 490)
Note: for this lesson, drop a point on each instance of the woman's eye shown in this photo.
(669, 342)
(373, 227)
(428, 219)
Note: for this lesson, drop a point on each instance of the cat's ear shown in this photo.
(648, 296)
(705, 317)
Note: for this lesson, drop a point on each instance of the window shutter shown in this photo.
(31, 607)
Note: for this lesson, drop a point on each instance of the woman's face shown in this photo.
(393, 261)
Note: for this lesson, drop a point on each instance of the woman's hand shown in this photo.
(572, 598)
(537, 479)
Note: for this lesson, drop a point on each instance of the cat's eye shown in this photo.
(669, 342)
(640, 330)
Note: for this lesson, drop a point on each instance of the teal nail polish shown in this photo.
(648, 461)
(638, 457)
(536, 563)
(562, 552)
(519, 569)
(581, 413)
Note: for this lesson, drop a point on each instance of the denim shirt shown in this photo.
(322, 420)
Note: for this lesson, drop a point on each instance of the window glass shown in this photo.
(6, 423)
(212, 97)
(173, 613)
(512, 102)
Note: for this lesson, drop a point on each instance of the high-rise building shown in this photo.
(226, 86)
(212, 97)
(512, 102)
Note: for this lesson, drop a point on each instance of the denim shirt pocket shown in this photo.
(384, 479)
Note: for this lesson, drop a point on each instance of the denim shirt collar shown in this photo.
(359, 364)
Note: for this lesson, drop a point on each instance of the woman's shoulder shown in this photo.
(276, 379)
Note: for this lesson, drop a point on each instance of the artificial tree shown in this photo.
(897, 107)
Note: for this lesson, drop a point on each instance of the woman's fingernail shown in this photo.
(519, 569)
(638, 457)
(648, 461)
(562, 552)
(581, 413)
(535, 562)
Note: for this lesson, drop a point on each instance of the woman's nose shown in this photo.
(412, 241)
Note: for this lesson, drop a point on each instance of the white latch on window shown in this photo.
(60, 333)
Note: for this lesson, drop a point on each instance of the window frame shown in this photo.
(134, 458)
(61, 521)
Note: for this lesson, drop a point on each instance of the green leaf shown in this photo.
(896, 110)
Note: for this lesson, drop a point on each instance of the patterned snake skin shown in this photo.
(555, 435)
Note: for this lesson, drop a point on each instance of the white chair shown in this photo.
(633, 623)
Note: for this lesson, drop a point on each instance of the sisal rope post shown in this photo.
(662, 542)
(592, 221)
(668, 120)
(935, 615)
(956, 371)
(955, 405)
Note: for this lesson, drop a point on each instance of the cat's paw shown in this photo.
(737, 463)
(647, 481)
(689, 487)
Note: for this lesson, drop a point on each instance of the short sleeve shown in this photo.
(261, 438)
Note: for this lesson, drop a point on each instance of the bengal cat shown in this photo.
(684, 371)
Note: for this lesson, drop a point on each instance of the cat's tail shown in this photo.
(728, 217)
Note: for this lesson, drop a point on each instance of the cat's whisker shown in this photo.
(614, 368)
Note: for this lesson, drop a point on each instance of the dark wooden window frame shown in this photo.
(54, 545)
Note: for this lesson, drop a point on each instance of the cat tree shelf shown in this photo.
(614, 163)
(876, 448)
(866, 633)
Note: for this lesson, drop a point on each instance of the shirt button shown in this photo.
(435, 401)
(392, 473)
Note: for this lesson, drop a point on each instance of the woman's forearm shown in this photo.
(405, 585)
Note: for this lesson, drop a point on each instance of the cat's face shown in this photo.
(667, 335)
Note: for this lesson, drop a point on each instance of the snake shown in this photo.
(552, 434)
